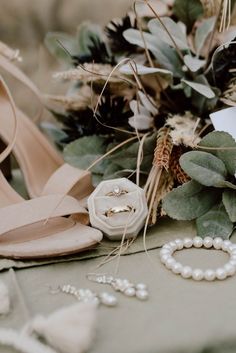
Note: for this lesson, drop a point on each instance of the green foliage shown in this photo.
(215, 223)
(189, 201)
(203, 167)
(57, 41)
(210, 197)
(188, 11)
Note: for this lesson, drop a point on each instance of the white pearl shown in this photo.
(217, 243)
(108, 299)
(233, 257)
(186, 272)
(177, 267)
(165, 252)
(169, 263)
(179, 244)
(130, 292)
(142, 294)
(164, 258)
(232, 262)
(197, 242)
(226, 244)
(221, 273)
(208, 242)
(188, 243)
(209, 275)
(197, 274)
(230, 269)
(141, 286)
(173, 245)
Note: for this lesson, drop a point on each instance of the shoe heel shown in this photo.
(5, 166)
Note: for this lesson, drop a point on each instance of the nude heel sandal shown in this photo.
(5, 166)
(42, 166)
(36, 228)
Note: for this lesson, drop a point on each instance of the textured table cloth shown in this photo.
(180, 315)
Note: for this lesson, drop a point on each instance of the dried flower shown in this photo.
(183, 129)
(175, 167)
(163, 148)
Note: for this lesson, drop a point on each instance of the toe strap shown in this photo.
(40, 209)
(69, 180)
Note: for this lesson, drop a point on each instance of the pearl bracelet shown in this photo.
(218, 243)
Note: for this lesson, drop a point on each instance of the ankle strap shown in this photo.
(7, 58)
(5, 95)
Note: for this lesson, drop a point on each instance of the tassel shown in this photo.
(4, 299)
(22, 343)
(69, 330)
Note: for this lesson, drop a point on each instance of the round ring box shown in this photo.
(107, 197)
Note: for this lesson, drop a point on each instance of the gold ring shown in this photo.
(116, 191)
(118, 209)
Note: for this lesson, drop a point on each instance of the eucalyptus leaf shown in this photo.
(227, 184)
(86, 33)
(188, 11)
(203, 167)
(165, 55)
(229, 201)
(204, 90)
(220, 139)
(55, 134)
(189, 201)
(82, 152)
(176, 32)
(144, 70)
(215, 223)
(193, 63)
(126, 157)
(55, 41)
(202, 33)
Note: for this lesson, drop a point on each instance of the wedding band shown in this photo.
(118, 209)
(116, 191)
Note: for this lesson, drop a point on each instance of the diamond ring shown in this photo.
(117, 191)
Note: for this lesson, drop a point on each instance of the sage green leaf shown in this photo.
(227, 184)
(189, 201)
(215, 223)
(83, 152)
(87, 33)
(173, 28)
(229, 201)
(55, 134)
(188, 11)
(203, 167)
(53, 41)
(220, 139)
(203, 32)
(144, 70)
(193, 63)
(126, 157)
(165, 55)
(204, 90)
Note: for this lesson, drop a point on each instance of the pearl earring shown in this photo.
(87, 295)
(124, 286)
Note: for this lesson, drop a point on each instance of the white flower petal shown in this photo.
(141, 122)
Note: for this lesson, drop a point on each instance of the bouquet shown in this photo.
(139, 96)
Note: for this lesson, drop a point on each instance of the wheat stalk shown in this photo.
(175, 167)
(163, 149)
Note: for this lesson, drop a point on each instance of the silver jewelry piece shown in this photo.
(124, 286)
(87, 295)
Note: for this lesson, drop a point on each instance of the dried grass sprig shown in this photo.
(9, 53)
(175, 167)
(163, 149)
(69, 102)
(90, 72)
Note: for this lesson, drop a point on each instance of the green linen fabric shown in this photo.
(180, 315)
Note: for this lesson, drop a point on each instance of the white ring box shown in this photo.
(115, 225)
